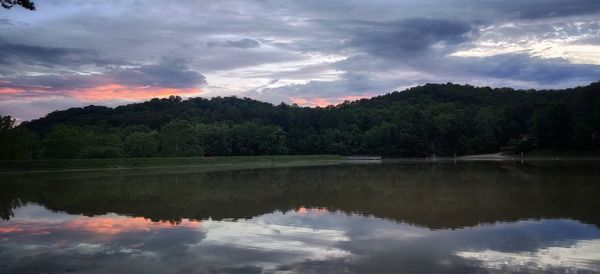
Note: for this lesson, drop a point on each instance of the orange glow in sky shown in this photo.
(356, 97)
(117, 225)
(102, 226)
(9, 91)
(311, 210)
(108, 92)
(323, 102)
(117, 91)
(10, 229)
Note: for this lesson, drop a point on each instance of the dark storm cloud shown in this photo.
(537, 9)
(242, 44)
(223, 59)
(50, 82)
(11, 54)
(169, 73)
(408, 37)
(525, 68)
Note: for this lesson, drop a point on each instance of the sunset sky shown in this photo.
(71, 53)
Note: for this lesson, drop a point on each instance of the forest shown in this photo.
(433, 119)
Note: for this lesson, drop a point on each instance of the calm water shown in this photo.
(384, 218)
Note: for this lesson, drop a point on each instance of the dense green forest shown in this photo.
(434, 119)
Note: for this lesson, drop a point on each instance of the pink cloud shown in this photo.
(323, 102)
(118, 91)
(99, 226)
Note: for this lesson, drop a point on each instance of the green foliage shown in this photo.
(100, 152)
(16, 143)
(433, 119)
(177, 138)
(6, 124)
(553, 126)
(141, 144)
(63, 141)
(26, 144)
(6, 140)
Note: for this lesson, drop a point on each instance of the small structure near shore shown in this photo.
(363, 158)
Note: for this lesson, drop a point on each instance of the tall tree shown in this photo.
(437, 119)
(179, 139)
(141, 144)
(7, 4)
(6, 138)
(63, 141)
(553, 126)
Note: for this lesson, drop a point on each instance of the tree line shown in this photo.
(434, 119)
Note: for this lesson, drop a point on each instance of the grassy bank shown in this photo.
(74, 164)
(563, 153)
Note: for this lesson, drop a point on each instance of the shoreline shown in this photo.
(118, 164)
(243, 162)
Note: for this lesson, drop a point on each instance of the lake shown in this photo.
(410, 217)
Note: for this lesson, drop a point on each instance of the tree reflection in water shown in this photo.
(388, 218)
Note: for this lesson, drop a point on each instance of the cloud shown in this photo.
(317, 51)
(351, 86)
(525, 68)
(576, 42)
(169, 73)
(407, 38)
(11, 54)
(538, 9)
(170, 76)
(242, 44)
(364, 77)
(581, 256)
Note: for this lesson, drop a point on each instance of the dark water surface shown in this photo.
(384, 218)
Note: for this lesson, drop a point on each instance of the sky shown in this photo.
(71, 53)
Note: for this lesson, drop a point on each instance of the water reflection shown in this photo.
(433, 218)
(581, 255)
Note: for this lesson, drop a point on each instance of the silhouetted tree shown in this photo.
(553, 126)
(17, 142)
(441, 119)
(7, 4)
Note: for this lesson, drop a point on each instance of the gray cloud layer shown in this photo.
(166, 74)
(11, 54)
(408, 38)
(242, 43)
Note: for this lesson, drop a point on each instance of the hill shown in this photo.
(440, 119)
